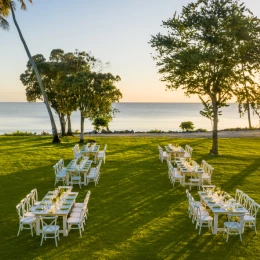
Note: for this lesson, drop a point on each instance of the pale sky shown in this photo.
(115, 31)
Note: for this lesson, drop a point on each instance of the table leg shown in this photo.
(183, 179)
(37, 226)
(68, 178)
(85, 178)
(200, 179)
(65, 232)
(215, 230)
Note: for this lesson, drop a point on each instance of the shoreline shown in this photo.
(221, 134)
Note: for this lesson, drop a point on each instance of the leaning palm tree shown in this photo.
(5, 7)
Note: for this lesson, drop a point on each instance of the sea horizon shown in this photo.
(133, 116)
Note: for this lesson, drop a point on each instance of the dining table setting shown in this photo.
(90, 150)
(220, 203)
(58, 202)
(81, 165)
(174, 151)
(188, 167)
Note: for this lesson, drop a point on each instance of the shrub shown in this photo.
(18, 133)
(187, 126)
(201, 130)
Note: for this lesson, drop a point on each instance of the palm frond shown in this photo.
(3, 23)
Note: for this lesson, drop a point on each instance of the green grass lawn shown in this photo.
(134, 212)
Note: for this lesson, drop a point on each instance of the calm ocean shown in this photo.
(33, 117)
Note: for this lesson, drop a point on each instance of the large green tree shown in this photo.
(200, 51)
(6, 6)
(95, 92)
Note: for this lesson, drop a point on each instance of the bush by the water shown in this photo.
(18, 133)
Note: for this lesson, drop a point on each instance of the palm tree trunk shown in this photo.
(45, 99)
(81, 128)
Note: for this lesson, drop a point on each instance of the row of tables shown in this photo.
(219, 205)
(54, 205)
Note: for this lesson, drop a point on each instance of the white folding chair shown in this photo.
(76, 151)
(202, 219)
(102, 154)
(175, 175)
(188, 152)
(27, 206)
(60, 176)
(194, 180)
(234, 225)
(207, 188)
(75, 178)
(162, 154)
(34, 197)
(250, 218)
(207, 174)
(24, 222)
(50, 229)
(81, 204)
(77, 222)
(94, 174)
(238, 195)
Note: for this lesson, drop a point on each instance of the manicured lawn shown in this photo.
(134, 212)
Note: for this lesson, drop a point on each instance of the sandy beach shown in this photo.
(221, 134)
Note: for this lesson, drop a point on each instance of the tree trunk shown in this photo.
(62, 124)
(81, 128)
(69, 125)
(247, 101)
(248, 113)
(214, 149)
(45, 99)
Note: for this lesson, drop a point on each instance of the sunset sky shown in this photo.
(115, 31)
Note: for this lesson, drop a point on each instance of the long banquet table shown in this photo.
(60, 209)
(218, 207)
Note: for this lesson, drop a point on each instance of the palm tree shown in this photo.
(5, 7)
(3, 23)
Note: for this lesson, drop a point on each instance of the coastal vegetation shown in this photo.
(134, 211)
(212, 49)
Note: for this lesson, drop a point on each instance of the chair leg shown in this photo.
(31, 229)
(41, 240)
(56, 243)
(19, 230)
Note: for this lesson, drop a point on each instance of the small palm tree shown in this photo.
(5, 7)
